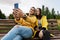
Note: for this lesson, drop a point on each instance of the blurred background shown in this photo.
(50, 8)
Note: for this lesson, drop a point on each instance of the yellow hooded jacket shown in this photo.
(44, 24)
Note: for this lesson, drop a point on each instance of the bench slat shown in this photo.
(8, 24)
(5, 28)
(6, 20)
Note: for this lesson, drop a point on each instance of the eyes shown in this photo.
(32, 9)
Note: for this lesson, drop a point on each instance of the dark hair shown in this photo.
(27, 13)
(39, 16)
(34, 8)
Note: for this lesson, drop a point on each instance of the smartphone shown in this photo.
(16, 5)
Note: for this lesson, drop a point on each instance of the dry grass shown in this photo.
(58, 21)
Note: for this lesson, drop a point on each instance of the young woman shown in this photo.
(42, 32)
(25, 27)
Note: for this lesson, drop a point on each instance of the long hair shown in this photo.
(39, 16)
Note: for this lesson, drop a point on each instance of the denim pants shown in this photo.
(18, 32)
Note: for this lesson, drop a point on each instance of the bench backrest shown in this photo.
(11, 22)
(7, 24)
(52, 22)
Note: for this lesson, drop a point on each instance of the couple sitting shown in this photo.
(28, 25)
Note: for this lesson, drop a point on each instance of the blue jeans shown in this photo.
(18, 32)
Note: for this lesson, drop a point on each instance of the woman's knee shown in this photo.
(41, 34)
(17, 26)
(18, 37)
(27, 33)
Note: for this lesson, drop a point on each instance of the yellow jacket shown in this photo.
(44, 22)
(29, 22)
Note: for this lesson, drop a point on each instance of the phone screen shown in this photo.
(16, 5)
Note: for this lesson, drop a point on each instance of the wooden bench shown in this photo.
(52, 23)
(7, 24)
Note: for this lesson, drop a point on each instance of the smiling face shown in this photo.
(38, 11)
(32, 10)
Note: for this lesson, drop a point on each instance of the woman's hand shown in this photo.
(17, 13)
